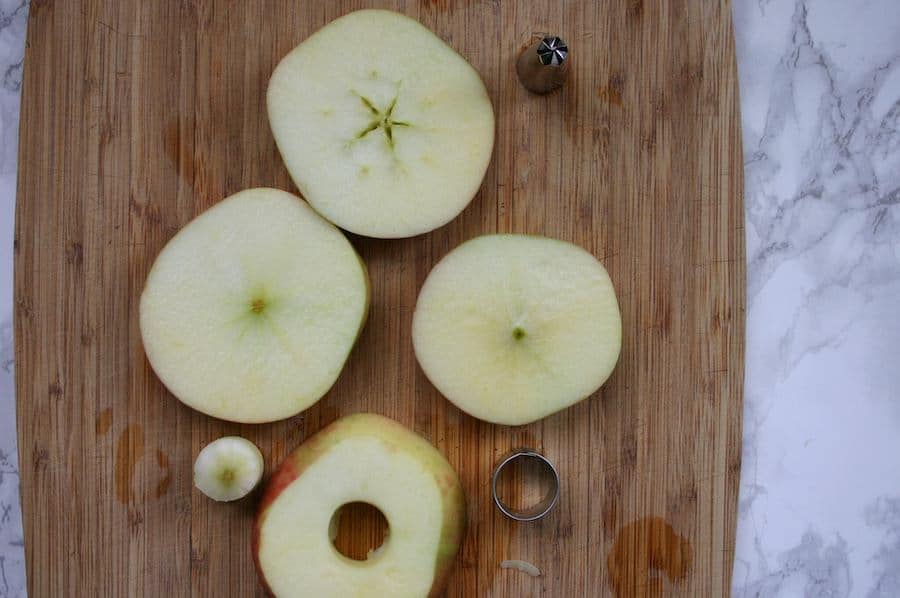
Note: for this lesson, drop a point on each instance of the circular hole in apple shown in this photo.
(524, 483)
(358, 529)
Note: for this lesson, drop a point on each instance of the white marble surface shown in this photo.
(13, 14)
(820, 494)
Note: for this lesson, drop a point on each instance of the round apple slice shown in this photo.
(228, 468)
(512, 328)
(251, 310)
(385, 129)
(360, 458)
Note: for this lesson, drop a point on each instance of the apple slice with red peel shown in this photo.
(251, 310)
(228, 468)
(512, 328)
(360, 458)
(384, 128)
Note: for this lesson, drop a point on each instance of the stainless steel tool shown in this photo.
(544, 66)
(546, 504)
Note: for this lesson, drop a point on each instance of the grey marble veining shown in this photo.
(13, 15)
(820, 495)
(819, 511)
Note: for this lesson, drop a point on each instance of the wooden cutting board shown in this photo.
(138, 115)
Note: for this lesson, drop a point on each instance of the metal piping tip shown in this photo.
(544, 66)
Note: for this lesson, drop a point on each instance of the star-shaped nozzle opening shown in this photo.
(552, 51)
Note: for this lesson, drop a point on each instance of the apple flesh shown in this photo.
(228, 468)
(360, 458)
(384, 128)
(512, 328)
(251, 310)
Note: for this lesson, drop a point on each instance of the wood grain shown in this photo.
(137, 116)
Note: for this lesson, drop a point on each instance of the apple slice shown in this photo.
(360, 458)
(385, 129)
(228, 468)
(512, 328)
(250, 311)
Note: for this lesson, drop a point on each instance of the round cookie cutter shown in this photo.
(546, 504)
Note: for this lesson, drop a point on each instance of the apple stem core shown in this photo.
(383, 120)
(257, 306)
(518, 333)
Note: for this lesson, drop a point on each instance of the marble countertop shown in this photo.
(819, 511)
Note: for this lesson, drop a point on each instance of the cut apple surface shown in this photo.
(228, 468)
(361, 458)
(251, 310)
(385, 129)
(512, 328)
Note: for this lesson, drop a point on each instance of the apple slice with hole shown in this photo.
(228, 468)
(251, 310)
(512, 328)
(384, 128)
(361, 458)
